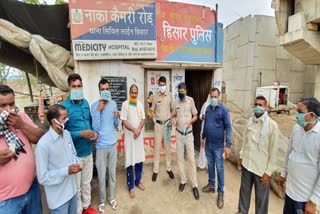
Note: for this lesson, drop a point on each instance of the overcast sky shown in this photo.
(231, 10)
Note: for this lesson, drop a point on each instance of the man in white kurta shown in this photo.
(133, 116)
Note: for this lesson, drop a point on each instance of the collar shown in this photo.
(316, 128)
(183, 101)
(218, 106)
(72, 101)
(53, 134)
(165, 94)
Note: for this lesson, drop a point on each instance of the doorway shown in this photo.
(199, 83)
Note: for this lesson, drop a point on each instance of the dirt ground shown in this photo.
(163, 195)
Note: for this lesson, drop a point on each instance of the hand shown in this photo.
(74, 168)
(310, 208)
(203, 117)
(116, 114)
(151, 115)
(281, 182)
(240, 164)
(101, 105)
(265, 179)
(202, 143)
(136, 133)
(89, 134)
(14, 120)
(5, 156)
(189, 123)
(227, 152)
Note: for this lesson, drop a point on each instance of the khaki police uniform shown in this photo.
(162, 106)
(184, 111)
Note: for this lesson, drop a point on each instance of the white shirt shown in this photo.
(257, 158)
(302, 166)
(134, 148)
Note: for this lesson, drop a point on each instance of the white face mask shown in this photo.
(162, 89)
(61, 125)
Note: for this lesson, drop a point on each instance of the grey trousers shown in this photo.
(106, 158)
(248, 179)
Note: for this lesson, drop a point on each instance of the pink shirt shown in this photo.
(17, 176)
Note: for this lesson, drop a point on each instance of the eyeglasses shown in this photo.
(258, 104)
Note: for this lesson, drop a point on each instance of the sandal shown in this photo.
(141, 186)
(114, 204)
(131, 193)
(101, 208)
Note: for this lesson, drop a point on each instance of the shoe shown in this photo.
(114, 204)
(220, 201)
(170, 173)
(89, 210)
(154, 177)
(181, 187)
(101, 208)
(196, 193)
(209, 188)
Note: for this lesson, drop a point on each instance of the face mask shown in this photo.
(61, 125)
(301, 121)
(105, 95)
(214, 102)
(181, 96)
(133, 101)
(258, 110)
(162, 89)
(76, 94)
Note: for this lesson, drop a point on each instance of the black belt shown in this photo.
(161, 122)
(184, 133)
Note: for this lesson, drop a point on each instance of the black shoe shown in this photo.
(196, 193)
(181, 187)
(154, 177)
(170, 173)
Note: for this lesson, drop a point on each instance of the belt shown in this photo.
(161, 122)
(184, 133)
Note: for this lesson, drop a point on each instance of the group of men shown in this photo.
(64, 165)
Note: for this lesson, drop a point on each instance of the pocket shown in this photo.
(4, 203)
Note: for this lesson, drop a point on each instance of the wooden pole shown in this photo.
(29, 86)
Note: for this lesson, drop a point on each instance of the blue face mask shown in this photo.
(105, 95)
(301, 121)
(214, 102)
(76, 94)
(258, 110)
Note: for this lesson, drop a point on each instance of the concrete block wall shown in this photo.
(251, 46)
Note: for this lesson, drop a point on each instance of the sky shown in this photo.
(231, 10)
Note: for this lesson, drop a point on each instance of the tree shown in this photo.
(4, 72)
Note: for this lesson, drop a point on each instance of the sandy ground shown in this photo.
(163, 195)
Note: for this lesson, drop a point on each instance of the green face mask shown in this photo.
(214, 102)
(76, 94)
(105, 95)
(301, 121)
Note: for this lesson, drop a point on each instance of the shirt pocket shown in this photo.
(219, 120)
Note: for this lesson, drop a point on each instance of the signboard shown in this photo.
(118, 89)
(188, 33)
(113, 29)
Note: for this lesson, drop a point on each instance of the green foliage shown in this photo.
(4, 72)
